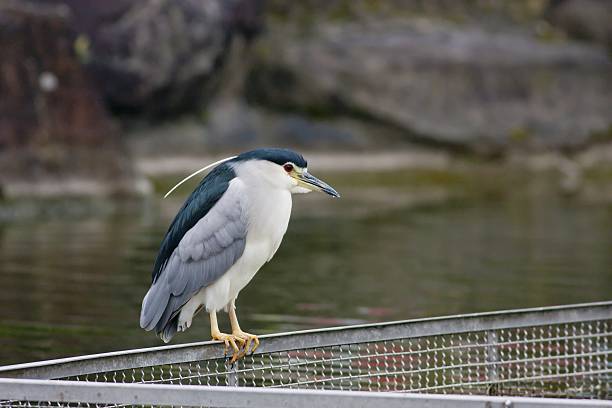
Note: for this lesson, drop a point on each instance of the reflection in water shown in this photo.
(75, 286)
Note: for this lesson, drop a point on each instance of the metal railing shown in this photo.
(559, 351)
(46, 393)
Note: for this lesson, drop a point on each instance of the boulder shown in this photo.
(159, 57)
(442, 83)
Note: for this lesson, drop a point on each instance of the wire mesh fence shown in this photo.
(560, 352)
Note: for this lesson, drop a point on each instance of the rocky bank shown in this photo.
(186, 77)
(56, 136)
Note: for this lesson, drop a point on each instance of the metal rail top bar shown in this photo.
(197, 395)
(184, 353)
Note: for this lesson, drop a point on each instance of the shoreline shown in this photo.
(386, 160)
(572, 172)
(377, 161)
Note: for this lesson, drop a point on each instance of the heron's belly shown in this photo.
(267, 226)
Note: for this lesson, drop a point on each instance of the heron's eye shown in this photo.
(288, 167)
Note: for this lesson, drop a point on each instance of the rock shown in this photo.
(54, 129)
(234, 126)
(160, 56)
(589, 20)
(441, 83)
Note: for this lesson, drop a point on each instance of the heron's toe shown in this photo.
(250, 339)
(231, 340)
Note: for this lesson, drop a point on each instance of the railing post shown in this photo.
(232, 375)
(492, 357)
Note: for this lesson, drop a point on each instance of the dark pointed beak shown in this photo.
(309, 181)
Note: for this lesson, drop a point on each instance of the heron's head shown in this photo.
(282, 168)
(279, 168)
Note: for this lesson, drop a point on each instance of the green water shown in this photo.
(72, 283)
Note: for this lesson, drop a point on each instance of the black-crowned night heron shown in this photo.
(230, 225)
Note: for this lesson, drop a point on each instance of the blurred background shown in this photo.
(471, 141)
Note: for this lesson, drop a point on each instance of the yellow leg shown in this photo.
(228, 339)
(237, 331)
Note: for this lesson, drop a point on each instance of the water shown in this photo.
(72, 284)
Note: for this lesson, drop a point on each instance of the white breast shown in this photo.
(268, 210)
(267, 225)
(269, 213)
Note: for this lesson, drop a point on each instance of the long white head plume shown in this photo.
(198, 172)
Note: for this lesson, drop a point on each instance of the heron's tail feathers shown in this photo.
(169, 331)
(154, 305)
(160, 310)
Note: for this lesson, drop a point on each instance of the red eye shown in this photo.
(288, 167)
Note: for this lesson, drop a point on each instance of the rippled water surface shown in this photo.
(73, 284)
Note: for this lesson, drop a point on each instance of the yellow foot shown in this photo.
(230, 340)
(249, 338)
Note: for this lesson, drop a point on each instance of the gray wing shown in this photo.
(202, 256)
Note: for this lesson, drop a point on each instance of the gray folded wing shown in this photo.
(204, 254)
